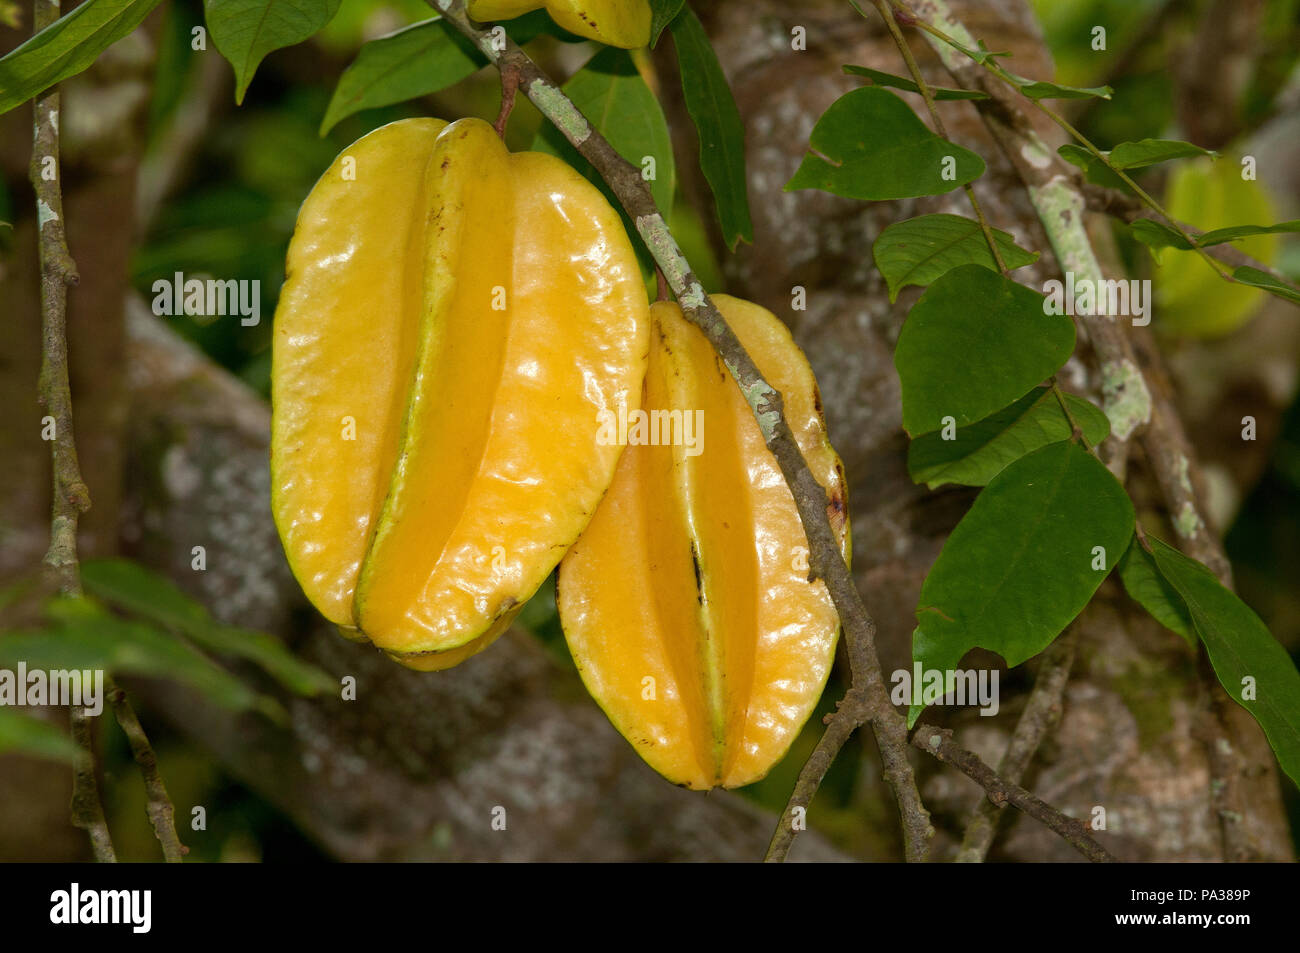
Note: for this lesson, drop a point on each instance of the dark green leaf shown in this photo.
(919, 250)
(244, 31)
(1036, 89)
(903, 83)
(415, 61)
(615, 99)
(662, 13)
(717, 121)
(974, 343)
(1242, 651)
(1145, 152)
(1262, 279)
(24, 734)
(66, 47)
(130, 586)
(869, 145)
(1019, 566)
(1152, 591)
(980, 451)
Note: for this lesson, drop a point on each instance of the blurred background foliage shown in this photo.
(232, 211)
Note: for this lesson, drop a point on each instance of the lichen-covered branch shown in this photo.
(825, 560)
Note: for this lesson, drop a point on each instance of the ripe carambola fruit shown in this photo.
(624, 23)
(454, 322)
(686, 602)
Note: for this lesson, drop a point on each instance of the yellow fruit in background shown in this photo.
(1190, 298)
(686, 603)
(454, 321)
(624, 23)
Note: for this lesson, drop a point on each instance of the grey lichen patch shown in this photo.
(761, 397)
(1180, 472)
(692, 297)
(44, 213)
(1187, 521)
(1060, 208)
(1125, 397)
(663, 248)
(556, 107)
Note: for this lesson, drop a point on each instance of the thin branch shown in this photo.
(938, 742)
(887, 14)
(1126, 389)
(509, 86)
(825, 559)
(70, 497)
(1041, 715)
(162, 814)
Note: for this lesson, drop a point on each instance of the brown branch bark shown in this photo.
(938, 742)
(162, 815)
(825, 560)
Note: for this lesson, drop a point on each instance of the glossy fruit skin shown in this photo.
(623, 23)
(473, 312)
(693, 572)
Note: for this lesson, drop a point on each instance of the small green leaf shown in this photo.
(974, 343)
(1019, 566)
(412, 62)
(1094, 170)
(1036, 89)
(903, 83)
(23, 734)
(662, 13)
(1147, 587)
(1158, 235)
(982, 55)
(244, 31)
(869, 145)
(130, 586)
(1145, 152)
(717, 121)
(1252, 666)
(66, 47)
(1262, 279)
(919, 250)
(980, 451)
(616, 100)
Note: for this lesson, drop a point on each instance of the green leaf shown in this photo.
(920, 250)
(717, 121)
(1145, 152)
(1019, 566)
(662, 13)
(1158, 235)
(66, 47)
(1094, 170)
(903, 83)
(244, 31)
(83, 636)
(24, 734)
(1036, 89)
(132, 587)
(974, 343)
(982, 55)
(980, 451)
(1147, 587)
(1240, 648)
(616, 100)
(412, 62)
(1262, 279)
(869, 145)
